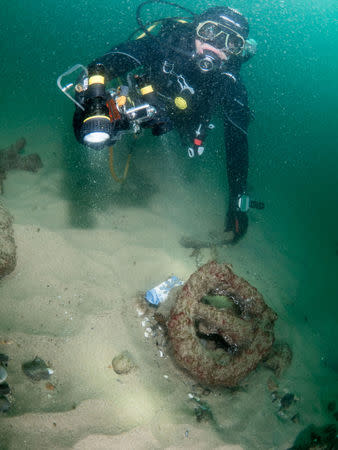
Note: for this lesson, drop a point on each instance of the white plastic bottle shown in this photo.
(159, 293)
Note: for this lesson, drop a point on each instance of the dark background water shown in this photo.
(293, 141)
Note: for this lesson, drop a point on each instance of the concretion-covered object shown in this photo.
(10, 158)
(7, 244)
(245, 328)
(123, 363)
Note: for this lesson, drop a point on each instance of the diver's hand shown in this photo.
(237, 222)
(161, 127)
(160, 123)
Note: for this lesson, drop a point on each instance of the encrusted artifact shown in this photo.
(10, 158)
(123, 363)
(7, 243)
(220, 345)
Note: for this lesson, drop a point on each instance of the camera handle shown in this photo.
(65, 88)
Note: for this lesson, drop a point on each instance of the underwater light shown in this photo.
(96, 137)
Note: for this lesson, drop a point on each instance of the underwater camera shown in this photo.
(107, 113)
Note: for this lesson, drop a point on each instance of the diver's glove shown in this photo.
(236, 221)
(161, 126)
(160, 123)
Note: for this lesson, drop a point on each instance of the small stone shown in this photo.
(272, 384)
(4, 389)
(279, 358)
(296, 418)
(203, 413)
(37, 369)
(199, 390)
(287, 400)
(123, 363)
(3, 357)
(4, 404)
(282, 415)
(206, 391)
(275, 395)
(141, 307)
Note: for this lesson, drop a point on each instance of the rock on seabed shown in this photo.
(7, 243)
(123, 363)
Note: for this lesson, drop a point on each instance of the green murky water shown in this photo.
(293, 140)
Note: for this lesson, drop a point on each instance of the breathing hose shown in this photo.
(139, 8)
(111, 166)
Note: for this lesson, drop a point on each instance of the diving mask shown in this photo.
(221, 37)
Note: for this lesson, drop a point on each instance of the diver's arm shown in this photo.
(237, 170)
(236, 122)
(237, 159)
(128, 55)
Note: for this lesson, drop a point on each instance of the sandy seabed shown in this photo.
(72, 301)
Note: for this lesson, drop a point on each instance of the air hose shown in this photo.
(111, 166)
(144, 27)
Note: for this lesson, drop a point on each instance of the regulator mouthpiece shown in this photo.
(208, 62)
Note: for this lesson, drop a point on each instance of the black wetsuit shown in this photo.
(170, 62)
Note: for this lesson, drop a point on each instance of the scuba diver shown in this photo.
(190, 72)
